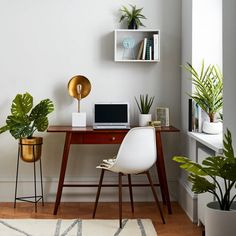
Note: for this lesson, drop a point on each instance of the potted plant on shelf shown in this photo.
(144, 105)
(24, 120)
(132, 16)
(208, 94)
(216, 175)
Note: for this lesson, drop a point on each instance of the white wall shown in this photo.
(229, 69)
(44, 43)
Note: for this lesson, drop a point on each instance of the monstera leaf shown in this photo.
(24, 120)
(214, 168)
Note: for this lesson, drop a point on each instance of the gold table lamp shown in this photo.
(79, 87)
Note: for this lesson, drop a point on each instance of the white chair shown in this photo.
(136, 155)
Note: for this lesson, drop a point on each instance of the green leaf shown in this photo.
(201, 184)
(22, 104)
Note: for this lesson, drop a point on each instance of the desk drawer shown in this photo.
(103, 138)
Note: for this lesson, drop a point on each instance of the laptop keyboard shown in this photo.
(111, 127)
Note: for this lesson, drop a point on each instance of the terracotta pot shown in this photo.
(31, 148)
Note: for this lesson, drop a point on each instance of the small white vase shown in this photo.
(144, 119)
(212, 127)
(219, 222)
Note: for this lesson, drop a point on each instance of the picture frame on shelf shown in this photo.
(163, 115)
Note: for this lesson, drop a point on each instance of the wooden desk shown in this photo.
(88, 135)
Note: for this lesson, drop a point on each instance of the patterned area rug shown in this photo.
(76, 227)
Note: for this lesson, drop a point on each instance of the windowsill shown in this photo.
(212, 141)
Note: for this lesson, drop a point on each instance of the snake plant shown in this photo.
(144, 104)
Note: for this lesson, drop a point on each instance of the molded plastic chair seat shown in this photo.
(136, 155)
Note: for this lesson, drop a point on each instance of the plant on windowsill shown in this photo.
(24, 120)
(208, 93)
(144, 105)
(133, 16)
(216, 175)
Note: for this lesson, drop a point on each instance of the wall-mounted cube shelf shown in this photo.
(142, 45)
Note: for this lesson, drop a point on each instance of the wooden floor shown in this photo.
(177, 224)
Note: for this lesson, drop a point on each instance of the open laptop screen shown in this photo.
(111, 114)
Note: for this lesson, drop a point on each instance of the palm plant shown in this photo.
(215, 167)
(132, 16)
(208, 92)
(144, 104)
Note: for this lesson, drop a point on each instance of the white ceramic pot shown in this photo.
(218, 222)
(212, 127)
(144, 119)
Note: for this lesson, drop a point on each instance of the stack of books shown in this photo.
(149, 48)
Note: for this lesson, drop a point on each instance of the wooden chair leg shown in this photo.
(131, 193)
(155, 196)
(120, 199)
(98, 192)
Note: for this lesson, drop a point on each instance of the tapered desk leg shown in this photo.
(63, 171)
(162, 173)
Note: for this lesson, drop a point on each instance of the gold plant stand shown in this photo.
(36, 198)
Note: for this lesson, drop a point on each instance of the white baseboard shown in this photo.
(80, 194)
(188, 200)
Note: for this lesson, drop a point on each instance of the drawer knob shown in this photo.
(113, 138)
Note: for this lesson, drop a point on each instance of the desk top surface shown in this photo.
(63, 128)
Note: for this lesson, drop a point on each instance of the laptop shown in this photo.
(111, 116)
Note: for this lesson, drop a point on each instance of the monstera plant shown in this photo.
(217, 176)
(24, 120)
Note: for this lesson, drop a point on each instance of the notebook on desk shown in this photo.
(111, 116)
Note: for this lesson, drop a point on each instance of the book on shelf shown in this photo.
(140, 51)
(144, 48)
(148, 45)
(195, 116)
(155, 46)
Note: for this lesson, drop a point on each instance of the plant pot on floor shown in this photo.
(144, 119)
(219, 222)
(31, 148)
(212, 127)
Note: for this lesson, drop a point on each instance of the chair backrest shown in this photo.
(137, 152)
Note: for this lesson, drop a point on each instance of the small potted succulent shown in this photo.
(208, 94)
(217, 176)
(133, 16)
(24, 120)
(144, 105)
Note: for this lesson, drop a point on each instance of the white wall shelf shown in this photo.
(122, 54)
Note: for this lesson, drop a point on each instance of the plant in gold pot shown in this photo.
(144, 105)
(208, 94)
(24, 120)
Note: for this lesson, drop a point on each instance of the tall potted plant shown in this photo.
(24, 120)
(208, 93)
(216, 175)
(144, 105)
(133, 16)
